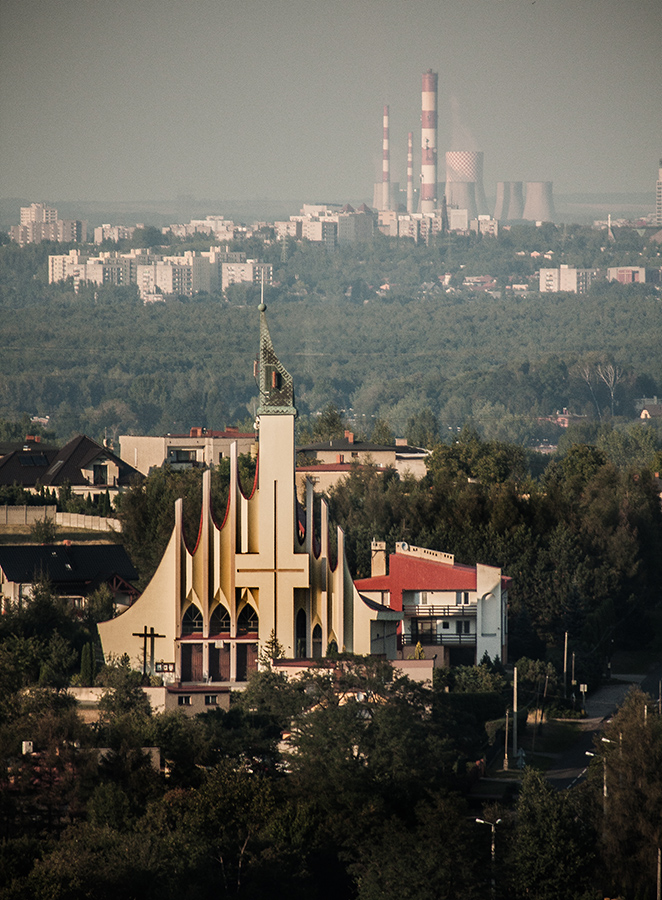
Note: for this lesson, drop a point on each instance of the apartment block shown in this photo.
(567, 278)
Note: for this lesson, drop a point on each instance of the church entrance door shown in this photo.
(191, 662)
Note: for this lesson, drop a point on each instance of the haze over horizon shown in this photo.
(117, 101)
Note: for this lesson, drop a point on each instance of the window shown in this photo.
(301, 634)
(445, 624)
(219, 622)
(100, 473)
(192, 621)
(247, 621)
(184, 700)
(465, 597)
(317, 642)
(211, 699)
(424, 596)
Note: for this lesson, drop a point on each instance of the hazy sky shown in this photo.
(150, 99)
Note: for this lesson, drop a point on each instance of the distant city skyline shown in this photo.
(276, 100)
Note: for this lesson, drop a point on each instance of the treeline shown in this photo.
(101, 363)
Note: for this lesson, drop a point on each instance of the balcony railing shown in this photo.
(449, 640)
(428, 610)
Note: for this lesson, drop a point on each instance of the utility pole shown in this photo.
(515, 713)
(565, 668)
(493, 826)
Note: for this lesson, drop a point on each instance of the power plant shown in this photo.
(463, 190)
(429, 142)
(386, 165)
(410, 172)
(509, 205)
(538, 203)
(464, 181)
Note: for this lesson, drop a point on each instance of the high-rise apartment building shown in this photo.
(658, 197)
(41, 223)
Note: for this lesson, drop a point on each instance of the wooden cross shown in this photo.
(150, 635)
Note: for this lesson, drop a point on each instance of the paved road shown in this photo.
(570, 766)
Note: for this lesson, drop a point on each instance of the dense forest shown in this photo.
(353, 782)
(100, 362)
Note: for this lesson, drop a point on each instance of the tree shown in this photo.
(87, 665)
(552, 852)
(44, 531)
(57, 660)
(423, 429)
(419, 854)
(629, 759)
(611, 375)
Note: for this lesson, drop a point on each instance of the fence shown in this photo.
(89, 523)
(25, 515)
(28, 515)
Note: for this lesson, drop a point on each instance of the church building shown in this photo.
(208, 611)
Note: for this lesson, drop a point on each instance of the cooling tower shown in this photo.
(509, 201)
(429, 142)
(466, 166)
(462, 195)
(539, 205)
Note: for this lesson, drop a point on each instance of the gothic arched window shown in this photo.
(192, 621)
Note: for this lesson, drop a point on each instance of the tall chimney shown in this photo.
(377, 558)
(410, 173)
(429, 142)
(386, 166)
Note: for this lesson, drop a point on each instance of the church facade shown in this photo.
(261, 573)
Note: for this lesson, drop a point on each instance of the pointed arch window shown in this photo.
(248, 621)
(300, 635)
(192, 621)
(317, 642)
(219, 623)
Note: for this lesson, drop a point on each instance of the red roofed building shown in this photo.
(455, 612)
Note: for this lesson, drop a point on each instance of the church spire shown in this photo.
(275, 382)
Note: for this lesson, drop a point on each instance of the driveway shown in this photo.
(570, 766)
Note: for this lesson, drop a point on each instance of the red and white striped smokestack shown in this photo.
(410, 172)
(429, 142)
(386, 166)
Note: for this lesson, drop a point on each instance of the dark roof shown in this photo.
(30, 443)
(26, 467)
(65, 564)
(54, 468)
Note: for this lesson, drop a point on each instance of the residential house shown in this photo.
(82, 465)
(200, 447)
(74, 571)
(457, 613)
(347, 449)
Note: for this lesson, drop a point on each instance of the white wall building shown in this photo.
(567, 278)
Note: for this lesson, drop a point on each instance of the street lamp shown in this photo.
(493, 826)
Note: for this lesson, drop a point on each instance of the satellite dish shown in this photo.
(405, 545)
